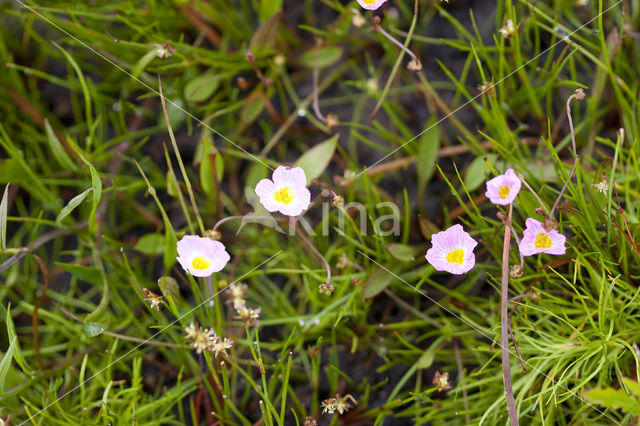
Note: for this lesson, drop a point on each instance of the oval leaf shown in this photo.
(169, 288)
(477, 171)
(316, 160)
(150, 244)
(377, 282)
(201, 88)
(93, 329)
(402, 252)
(321, 58)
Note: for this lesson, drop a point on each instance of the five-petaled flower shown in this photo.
(286, 193)
(371, 4)
(503, 189)
(536, 239)
(452, 251)
(201, 256)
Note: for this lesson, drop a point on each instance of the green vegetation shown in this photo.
(100, 189)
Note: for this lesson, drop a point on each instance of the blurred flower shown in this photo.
(219, 345)
(310, 421)
(207, 340)
(201, 256)
(286, 193)
(508, 29)
(441, 381)
(371, 4)
(357, 20)
(603, 185)
(537, 239)
(503, 189)
(339, 404)
(153, 299)
(165, 50)
(248, 315)
(237, 293)
(452, 251)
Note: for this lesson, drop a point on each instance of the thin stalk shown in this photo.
(317, 253)
(180, 163)
(579, 95)
(394, 70)
(504, 322)
(316, 102)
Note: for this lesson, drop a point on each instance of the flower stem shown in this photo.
(580, 96)
(315, 250)
(504, 322)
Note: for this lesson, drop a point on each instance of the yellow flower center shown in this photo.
(455, 256)
(200, 263)
(368, 2)
(503, 192)
(284, 195)
(542, 241)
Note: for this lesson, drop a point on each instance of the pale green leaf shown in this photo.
(57, 150)
(377, 282)
(151, 244)
(201, 88)
(316, 160)
(321, 57)
(75, 201)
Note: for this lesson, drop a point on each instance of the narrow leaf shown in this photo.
(11, 334)
(427, 155)
(3, 219)
(75, 201)
(57, 150)
(6, 363)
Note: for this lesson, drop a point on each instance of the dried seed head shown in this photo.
(214, 235)
(540, 211)
(414, 65)
(337, 201)
(332, 121)
(357, 20)
(516, 271)
(549, 223)
(580, 95)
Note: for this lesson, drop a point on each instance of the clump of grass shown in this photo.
(100, 184)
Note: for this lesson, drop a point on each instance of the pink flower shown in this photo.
(371, 4)
(286, 193)
(537, 239)
(201, 256)
(452, 251)
(503, 189)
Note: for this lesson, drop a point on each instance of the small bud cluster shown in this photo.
(339, 404)
(326, 288)
(152, 299)
(441, 381)
(247, 315)
(207, 340)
